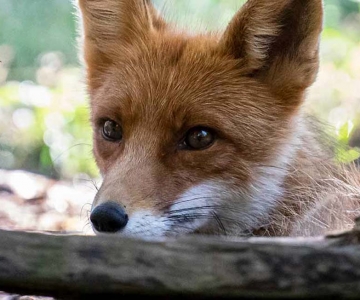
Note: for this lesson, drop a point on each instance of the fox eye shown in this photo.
(112, 131)
(199, 138)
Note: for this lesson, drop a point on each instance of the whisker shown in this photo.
(218, 220)
(87, 224)
(87, 210)
(166, 206)
(67, 150)
(92, 181)
(189, 209)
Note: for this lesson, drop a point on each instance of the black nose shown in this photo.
(108, 217)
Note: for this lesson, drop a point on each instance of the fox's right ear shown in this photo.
(111, 25)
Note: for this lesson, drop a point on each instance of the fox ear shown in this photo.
(278, 41)
(111, 25)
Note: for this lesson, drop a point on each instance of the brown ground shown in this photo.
(35, 203)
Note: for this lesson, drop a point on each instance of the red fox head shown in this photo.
(193, 134)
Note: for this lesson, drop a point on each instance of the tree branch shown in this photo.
(84, 267)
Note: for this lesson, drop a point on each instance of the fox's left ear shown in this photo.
(112, 26)
(277, 41)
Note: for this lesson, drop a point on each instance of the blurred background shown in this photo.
(44, 126)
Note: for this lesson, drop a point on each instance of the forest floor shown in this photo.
(31, 202)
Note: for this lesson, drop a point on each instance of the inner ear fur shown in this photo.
(277, 41)
(109, 26)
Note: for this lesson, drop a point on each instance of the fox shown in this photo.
(206, 133)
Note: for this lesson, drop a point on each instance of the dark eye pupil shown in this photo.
(112, 131)
(199, 138)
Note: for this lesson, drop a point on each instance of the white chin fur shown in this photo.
(146, 224)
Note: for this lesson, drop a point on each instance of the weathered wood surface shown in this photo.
(109, 267)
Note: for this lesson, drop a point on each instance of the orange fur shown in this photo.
(268, 173)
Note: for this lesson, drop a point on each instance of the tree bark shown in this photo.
(87, 267)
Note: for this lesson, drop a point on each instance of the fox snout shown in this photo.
(109, 217)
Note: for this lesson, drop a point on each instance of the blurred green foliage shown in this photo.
(35, 27)
(43, 107)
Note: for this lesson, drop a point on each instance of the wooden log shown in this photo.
(87, 267)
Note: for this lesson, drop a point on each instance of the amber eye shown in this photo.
(112, 131)
(199, 138)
